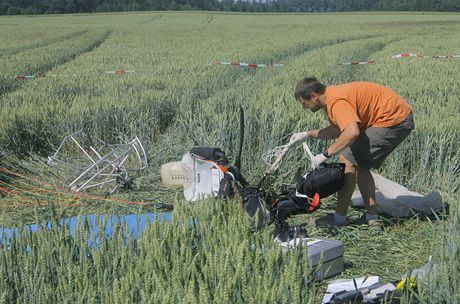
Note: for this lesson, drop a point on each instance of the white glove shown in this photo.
(318, 159)
(298, 137)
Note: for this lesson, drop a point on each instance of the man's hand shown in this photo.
(318, 159)
(298, 137)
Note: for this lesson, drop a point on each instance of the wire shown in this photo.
(37, 191)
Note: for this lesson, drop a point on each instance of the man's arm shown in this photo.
(346, 138)
(329, 132)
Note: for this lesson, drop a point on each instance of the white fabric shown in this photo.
(348, 285)
(421, 273)
(373, 293)
(296, 242)
(397, 201)
(206, 178)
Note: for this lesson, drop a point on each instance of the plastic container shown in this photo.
(320, 250)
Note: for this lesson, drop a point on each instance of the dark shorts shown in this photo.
(373, 146)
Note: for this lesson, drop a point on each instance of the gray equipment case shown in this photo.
(328, 253)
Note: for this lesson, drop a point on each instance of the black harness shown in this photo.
(264, 207)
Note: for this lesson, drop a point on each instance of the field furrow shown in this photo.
(151, 76)
(39, 62)
(10, 51)
(169, 101)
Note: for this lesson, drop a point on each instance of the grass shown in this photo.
(174, 101)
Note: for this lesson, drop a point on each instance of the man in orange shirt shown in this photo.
(369, 122)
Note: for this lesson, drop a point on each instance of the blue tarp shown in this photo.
(135, 224)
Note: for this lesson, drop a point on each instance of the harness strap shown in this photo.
(308, 154)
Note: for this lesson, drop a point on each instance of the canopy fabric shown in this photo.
(397, 201)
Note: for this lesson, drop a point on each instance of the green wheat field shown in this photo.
(176, 99)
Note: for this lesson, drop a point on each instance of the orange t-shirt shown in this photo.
(368, 104)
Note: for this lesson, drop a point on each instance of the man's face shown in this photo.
(313, 104)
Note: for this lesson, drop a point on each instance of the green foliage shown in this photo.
(174, 101)
(188, 259)
(27, 7)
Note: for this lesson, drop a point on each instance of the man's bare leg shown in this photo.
(344, 195)
(366, 186)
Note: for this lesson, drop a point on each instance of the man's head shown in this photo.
(310, 93)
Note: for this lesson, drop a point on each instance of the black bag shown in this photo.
(213, 154)
(228, 187)
(254, 203)
(325, 181)
(252, 199)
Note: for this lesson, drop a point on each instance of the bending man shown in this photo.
(369, 121)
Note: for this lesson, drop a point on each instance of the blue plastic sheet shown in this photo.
(133, 224)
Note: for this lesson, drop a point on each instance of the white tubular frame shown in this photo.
(95, 170)
(279, 153)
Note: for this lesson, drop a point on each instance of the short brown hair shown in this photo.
(307, 86)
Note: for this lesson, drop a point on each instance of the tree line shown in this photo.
(27, 7)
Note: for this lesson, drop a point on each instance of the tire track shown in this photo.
(16, 50)
(208, 19)
(201, 92)
(8, 85)
(306, 47)
(352, 72)
(196, 98)
(24, 132)
(194, 111)
(357, 73)
(302, 49)
(156, 17)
